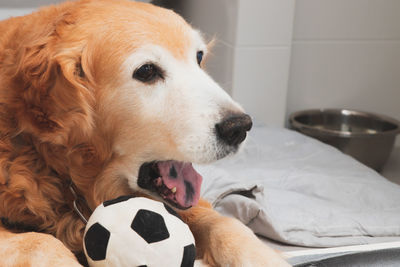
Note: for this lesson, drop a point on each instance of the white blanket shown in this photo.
(294, 189)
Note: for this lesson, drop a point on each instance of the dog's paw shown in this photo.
(232, 244)
(35, 250)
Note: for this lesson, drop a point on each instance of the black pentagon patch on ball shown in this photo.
(96, 242)
(189, 256)
(116, 200)
(171, 211)
(150, 226)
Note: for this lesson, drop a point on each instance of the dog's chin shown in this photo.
(218, 151)
(226, 152)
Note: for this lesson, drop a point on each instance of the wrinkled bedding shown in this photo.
(297, 190)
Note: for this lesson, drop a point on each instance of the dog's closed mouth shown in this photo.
(175, 182)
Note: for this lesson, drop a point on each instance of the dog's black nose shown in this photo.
(233, 128)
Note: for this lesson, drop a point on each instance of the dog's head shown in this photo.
(131, 75)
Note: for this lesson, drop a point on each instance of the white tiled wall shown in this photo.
(252, 53)
(346, 53)
(265, 22)
(261, 88)
(262, 58)
(352, 74)
(347, 19)
(342, 53)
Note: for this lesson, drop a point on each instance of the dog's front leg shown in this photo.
(226, 242)
(34, 250)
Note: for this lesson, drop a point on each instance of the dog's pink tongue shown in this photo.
(184, 177)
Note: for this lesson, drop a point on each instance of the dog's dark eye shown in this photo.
(199, 56)
(147, 73)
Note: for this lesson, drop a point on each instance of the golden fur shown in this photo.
(58, 123)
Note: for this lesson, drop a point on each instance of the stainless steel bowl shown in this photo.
(366, 136)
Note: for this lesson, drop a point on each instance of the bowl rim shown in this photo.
(301, 126)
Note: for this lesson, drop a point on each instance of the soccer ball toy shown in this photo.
(137, 232)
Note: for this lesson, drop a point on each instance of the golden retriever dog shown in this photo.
(109, 98)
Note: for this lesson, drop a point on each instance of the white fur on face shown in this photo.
(177, 114)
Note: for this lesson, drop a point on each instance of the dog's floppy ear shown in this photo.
(52, 99)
